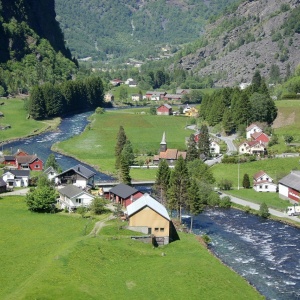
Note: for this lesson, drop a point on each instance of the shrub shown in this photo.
(225, 202)
(97, 206)
(264, 210)
(225, 184)
(206, 239)
(213, 199)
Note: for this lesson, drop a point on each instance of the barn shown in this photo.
(289, 187)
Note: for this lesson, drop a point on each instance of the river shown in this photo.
(265, 252)
(41, 144)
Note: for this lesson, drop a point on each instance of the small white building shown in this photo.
(51, 174)
(251, 129)
(262, 182)
(214, 147)
(16, 178)
(72, 197)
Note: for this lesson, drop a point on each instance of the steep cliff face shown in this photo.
(258, 35)
(22, 22)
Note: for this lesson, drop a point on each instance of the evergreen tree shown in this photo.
(200, 171)
(127, 152)
(192, 151)
(51, 162)
(37, 108)
(246, 181)
(204, 142)
(179, 184)
(256, 82)
(242, 110)
(124, 171)
(121, 141)
(227, 121)
(195, 203)
(162, 180)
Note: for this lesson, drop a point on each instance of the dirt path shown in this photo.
(99, 225)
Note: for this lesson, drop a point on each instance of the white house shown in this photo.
(78, 175)
(262, 182)
(214, 147)
(16, 178)
(251, 129)
(51, 173)
(289, 187)
(252, 147)
(72, 197)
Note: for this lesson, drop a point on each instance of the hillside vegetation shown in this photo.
(52, 257)
(112, 28)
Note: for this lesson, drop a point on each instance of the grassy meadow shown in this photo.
(16, 116)
(96, 145)
(50, 256)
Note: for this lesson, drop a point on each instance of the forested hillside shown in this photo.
(108, 29)
(32, 49)
(263, 35)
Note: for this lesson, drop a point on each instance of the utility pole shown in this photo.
(239, 173)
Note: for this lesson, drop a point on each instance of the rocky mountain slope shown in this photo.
(262, 34)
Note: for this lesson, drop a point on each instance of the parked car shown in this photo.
(218, 134)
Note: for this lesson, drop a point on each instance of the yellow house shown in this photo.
(148, 216)
(193, 112)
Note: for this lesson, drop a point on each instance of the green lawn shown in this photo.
(271, 199)
(46, 256)
(15, 115)
(96, 145)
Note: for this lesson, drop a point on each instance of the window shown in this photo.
(162, 229)
(260, 186)
(266, 187)
(78, 200)
(156, 229)
(36, 166)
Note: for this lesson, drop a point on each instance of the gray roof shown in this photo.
(72, 191)
(2, 182)
(82, 170)
(147, 200)
(122, 190)
(49, 170)
(9, 157)
(292, 180)
(19, 173)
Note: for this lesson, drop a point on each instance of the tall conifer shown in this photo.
(121, 141)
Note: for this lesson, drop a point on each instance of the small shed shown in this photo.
(124, 194)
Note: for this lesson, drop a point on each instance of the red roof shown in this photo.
(259, 174)
(260, 136)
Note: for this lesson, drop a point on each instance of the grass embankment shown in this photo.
(16, 116)
(47, 256)
(96, 145)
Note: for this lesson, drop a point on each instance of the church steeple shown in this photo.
(163, 143)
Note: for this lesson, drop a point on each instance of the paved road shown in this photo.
(256, 207)
(20, 192)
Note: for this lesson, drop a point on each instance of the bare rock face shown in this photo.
(250, 38)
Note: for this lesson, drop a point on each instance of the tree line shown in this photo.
(50, 100)
(233, 107)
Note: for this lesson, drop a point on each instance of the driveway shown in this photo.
(17, 192)
(257, 206)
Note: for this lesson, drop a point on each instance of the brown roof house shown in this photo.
(262, 182)
(148, 216)
(170, 155)
(164, 109)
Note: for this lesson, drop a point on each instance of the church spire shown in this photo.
(163, 143)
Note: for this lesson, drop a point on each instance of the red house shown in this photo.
(164, 109)
(31, 162)
(9, 160)
(124, 194)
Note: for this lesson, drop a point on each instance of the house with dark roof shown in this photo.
(78, 175)
(262, 182)
(170, 155)
(148, 216)
(172, 97)
(16, 178)
(124, 194)
(50, 173)
(71, 197)
(164, 109)
(289, 187)
(9, 160)
(154, 95)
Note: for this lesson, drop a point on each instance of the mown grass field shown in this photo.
(96, 145)
(16, 116)
(48, 256)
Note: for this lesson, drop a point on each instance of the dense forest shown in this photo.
(50, 100)
(32, 49)
(120, 28)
